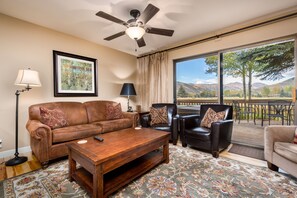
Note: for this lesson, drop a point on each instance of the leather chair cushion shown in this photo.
(162, 127)
(115, 125)
(200, 133)
(69, 133)
(287, 150)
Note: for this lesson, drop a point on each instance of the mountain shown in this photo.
(233, 86)
(194, 89)
(258, 85)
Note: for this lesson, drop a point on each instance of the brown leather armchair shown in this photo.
(213, 139)
(171, 127)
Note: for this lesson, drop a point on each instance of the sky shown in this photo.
(193, 71)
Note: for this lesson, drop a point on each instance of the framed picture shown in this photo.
(74, 75)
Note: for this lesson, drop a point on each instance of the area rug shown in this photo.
(248, 151)
(189, 173)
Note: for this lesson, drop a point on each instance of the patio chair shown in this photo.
(280, 109)
(246, 111)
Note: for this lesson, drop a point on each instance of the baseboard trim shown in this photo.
(12, 152)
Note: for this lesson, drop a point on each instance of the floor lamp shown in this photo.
(27, 78)
(128, 90)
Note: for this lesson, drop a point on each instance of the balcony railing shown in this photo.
(189, 106)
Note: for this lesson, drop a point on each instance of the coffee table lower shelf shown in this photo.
(121, 176)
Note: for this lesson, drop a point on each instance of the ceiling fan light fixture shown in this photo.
(135, 32)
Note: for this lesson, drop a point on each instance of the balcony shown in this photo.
(245, 132)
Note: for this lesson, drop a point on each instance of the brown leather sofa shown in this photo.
(84, 120)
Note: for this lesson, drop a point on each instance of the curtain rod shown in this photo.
(228, 33)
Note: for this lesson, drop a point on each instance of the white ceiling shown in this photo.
(189, 18)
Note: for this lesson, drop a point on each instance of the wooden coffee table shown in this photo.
(123, 156)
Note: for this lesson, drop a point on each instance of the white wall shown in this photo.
(272, 31)
(24, 45)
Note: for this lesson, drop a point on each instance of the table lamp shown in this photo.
(128, 90)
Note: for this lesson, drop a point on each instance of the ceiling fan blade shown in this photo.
(140, 42)
(164, 32)
(115, 36)
(148, 13)
(111, 18)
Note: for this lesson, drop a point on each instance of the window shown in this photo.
(260, 73)
(196, 82)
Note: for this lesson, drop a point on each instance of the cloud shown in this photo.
(207, 81)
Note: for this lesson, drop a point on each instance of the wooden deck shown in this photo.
(248, 133)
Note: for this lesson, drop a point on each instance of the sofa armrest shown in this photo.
(274, 134)
(188, 121)
(145, 120)
(221, 131)
(175, 126)
(40, 140)
(133, 116)
(33, 127)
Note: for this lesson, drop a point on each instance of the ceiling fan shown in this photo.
(136, 27)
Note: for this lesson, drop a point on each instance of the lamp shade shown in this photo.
(135, 32)
(128, 90)
(28, 77)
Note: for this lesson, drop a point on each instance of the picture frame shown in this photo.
(74, 75)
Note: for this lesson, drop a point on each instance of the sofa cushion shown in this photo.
(114, 125)
(158, 115)
(113, 111)
(54, 118)
(96, 110)
(69, 133)
(287, 150)
(211, 116)
(75, 112)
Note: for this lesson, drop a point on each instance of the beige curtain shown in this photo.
(152, 79)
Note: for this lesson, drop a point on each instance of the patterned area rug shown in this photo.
(190, 173)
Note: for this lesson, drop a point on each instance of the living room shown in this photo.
(26, 44)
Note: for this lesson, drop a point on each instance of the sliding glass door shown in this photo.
(256, 73)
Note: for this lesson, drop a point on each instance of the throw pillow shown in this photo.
(295, 137)
(211, 116)
(159, 115)
(113, 111)
(54, 118)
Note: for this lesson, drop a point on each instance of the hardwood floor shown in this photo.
(12, 171)
(33, 164)
(242, 158)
